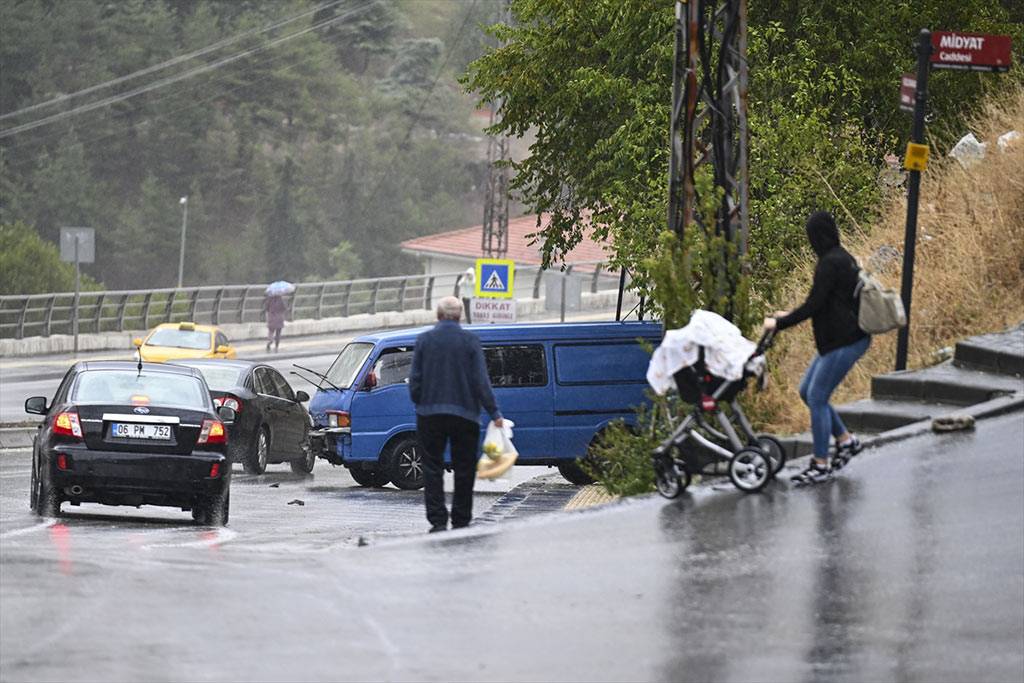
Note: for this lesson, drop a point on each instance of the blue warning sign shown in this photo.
(494, 278)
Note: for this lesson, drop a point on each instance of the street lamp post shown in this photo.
(184, 226)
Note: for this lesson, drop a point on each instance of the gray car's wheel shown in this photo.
(304, 465)
(369, 478)
(256, 461)
(403, 463)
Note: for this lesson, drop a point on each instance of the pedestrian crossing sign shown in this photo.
(494, 278)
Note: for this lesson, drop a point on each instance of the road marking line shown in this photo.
(222, 535)
(27, 530)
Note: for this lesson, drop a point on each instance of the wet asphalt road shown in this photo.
(908, 567)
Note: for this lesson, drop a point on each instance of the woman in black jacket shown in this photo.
(832, 308)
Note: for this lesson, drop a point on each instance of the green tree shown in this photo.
(32, 265)
(592, 82)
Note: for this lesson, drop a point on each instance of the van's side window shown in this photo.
(516, 366)
(601, 363)
(393, 366)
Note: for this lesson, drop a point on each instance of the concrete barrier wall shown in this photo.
(64, 343)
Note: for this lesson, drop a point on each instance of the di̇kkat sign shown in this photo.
(970, 51)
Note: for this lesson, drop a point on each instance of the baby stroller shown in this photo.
(710, 365)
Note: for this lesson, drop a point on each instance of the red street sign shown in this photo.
(908, 92)
(971, 51)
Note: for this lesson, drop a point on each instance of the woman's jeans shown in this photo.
(822, 377)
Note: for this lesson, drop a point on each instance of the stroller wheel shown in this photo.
(773, 448)
(670, 478)
(750, 469)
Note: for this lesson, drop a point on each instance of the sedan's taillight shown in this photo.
(214, 470)
(228, 402)
(212, 432)
(67, 424)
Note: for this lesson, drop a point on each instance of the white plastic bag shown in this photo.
(499, 451)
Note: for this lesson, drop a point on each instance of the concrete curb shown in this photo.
(16, 437)
(114, 341)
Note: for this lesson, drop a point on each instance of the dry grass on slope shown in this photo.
(968, 277)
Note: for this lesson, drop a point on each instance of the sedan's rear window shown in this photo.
(220, 377)
(181, 339)
(127, 387)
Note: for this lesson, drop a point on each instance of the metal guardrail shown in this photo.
(40, 315)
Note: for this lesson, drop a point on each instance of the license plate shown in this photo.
(131, 430)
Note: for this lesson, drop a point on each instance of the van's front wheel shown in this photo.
(572, 471)
(403, 463)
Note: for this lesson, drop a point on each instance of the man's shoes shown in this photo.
(846, 451)
(268, 347)
(460, 525)
(438, 527)
(812, 475)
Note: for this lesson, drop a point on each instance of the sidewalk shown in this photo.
(984, 379)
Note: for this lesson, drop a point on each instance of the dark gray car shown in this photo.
(271, 424)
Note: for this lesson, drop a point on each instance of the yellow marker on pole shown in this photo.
(916, 158)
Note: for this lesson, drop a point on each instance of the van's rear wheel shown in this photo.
(403, 463)
(574, 473)
(369, 478)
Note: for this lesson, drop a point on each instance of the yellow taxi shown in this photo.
(171, 341)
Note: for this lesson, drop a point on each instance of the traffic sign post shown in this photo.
(78, 246)
(970, 51)
(493, 310)
(939, 50)
(908, 86)
(924, 51)
(495, 278)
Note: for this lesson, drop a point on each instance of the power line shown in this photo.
(39, 141)
(7, 132)
(170, 62)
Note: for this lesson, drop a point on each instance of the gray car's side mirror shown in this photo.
(226, 414)
(301, 396)
(36, 405)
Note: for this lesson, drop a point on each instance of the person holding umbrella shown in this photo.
(275, 308)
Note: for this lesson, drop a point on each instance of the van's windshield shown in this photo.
(343, 372)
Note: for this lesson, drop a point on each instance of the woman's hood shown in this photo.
(822, 232)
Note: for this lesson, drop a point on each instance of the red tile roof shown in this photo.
(466, 242)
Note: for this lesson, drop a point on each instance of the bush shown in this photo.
(621, 458)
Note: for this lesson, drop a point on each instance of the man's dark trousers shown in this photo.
(434, 432)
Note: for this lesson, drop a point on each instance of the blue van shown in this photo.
(560, 383)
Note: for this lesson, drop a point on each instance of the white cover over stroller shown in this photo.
(709, 362)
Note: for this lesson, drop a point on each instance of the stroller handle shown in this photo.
(765, 343)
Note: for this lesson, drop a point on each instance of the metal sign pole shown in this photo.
(924, 51)
(74, 314)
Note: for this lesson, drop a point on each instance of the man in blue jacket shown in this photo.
(449, 384)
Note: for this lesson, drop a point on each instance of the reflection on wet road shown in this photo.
(910, 566)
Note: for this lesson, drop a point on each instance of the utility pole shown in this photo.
(924, 53)
(494, 242)
(709, 121)
(184, 226)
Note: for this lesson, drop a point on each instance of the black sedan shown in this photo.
(124, 433)
(271, 425)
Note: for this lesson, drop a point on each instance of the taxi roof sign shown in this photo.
(494, 278)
